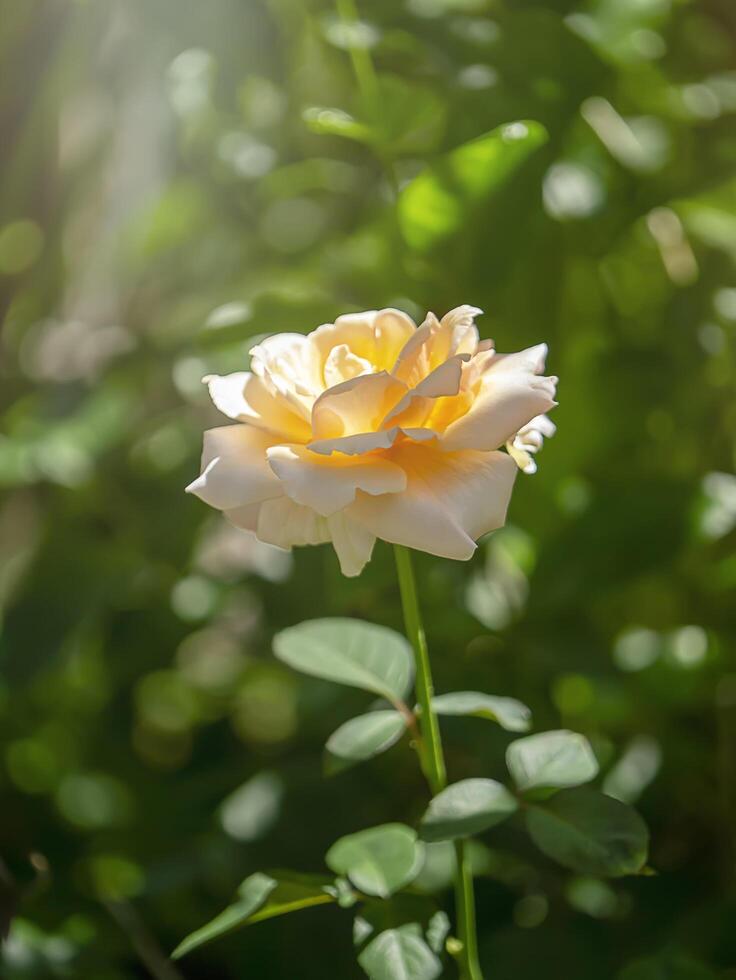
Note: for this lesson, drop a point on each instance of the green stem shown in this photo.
(432, 757)
(365, 74)
(465, 901)
(433, 761)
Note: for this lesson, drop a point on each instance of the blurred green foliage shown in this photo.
(180, 177)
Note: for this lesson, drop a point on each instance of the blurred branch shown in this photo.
(148, 950)
(367, 79)
(365, 73)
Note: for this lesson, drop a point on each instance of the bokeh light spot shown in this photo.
(194, 597)
(94, 800)
(531, 911)
(251, 810)
(21, 243)
(636, 649)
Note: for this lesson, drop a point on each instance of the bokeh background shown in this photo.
(179, 177)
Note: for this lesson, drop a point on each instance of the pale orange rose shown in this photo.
(373, 427)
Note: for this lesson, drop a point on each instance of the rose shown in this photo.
(372, 427)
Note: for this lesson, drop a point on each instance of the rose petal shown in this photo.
(508, 399)
(542, 424)
(412, 364)
(227, 393)
(245, 517)
(355, 406)
(460, 325)
(366, 442)
(436, 341)
(327, 484)
(353, 543)
(531, 359)
(244, 396)
(290, 366)
(416, 405)
(285, 524)
(528, 441)
(377, 336)
(450, 500)
(234, 468)
(342, 365)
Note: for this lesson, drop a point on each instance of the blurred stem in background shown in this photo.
(145, 945)
(365, 74)
(433, 762)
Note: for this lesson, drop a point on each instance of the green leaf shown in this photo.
(378, 861)
(336, 122)
(436, 203)
(400, 954)
(412, 119)
(349, 651)
(551, 760)
(508, 712)
(362, 738)
(252, 893)
(344, 893)
(590, 833)
(293, 892)
(412, 116)
(467, 808)
(437, 931)
(260, 897)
